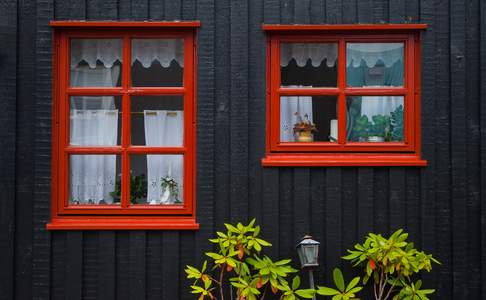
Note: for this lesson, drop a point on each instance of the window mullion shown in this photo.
(125, 179)
(342, 96)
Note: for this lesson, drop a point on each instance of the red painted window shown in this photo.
(344, 95)
(123, 154)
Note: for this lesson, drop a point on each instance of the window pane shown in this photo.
(95, 120)
(93, 179)
(157, 179)
(157, 120)
(96, 62)
(374, 64)
(375, 119)
(308, 118)
(310, 65)
(157, 62)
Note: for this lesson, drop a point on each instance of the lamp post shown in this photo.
(308, 251)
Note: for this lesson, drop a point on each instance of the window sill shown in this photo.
(128, 223)
(342, 160)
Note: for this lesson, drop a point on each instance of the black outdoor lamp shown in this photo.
(308, 250)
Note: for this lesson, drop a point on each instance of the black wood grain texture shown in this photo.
(334, 222)
(173, 10)
(170, 265)
(365, 13)
(429, 99)
(397, 11)
(271, 210)
(285, 216)
(122, 265)
(239, 111)
(317, 9)
(42, 166)
(187, 257)
(380, 11)
(473, 115)
(205, 183)
(154, 270)
(74, 265)
(380, 205)
(365, 201)
(24, 158)
(271, 11)
(189, 10)
(72, 10)
(287, 11)
(107, 275)
(101, 10)
(443, 154)
(58, 267)
(334, 12)
(482, 109)
(137, 262)
(350, 12)
(397, 199)
(256, 107)
(8, 99)
(90, 263)
(222, 83)
(349, 211)
(302, 12)
(301, 203)
(458, 148)
(156, 9)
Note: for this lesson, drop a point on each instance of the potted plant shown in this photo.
(304, 129)
(138, 188)
(379, 129)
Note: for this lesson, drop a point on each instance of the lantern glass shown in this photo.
(308, 251)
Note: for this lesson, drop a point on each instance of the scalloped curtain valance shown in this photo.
(145, 51)
(356, 53)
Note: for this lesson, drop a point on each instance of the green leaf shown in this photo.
(338, 279)
(352, 284)
(305, 293)
(325, 291)
(295, 283)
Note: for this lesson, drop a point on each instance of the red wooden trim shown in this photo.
(389, 33)
(118, 24)
(342, 27)
(128, 223)
(283, 91)
(124, 215)
(348, 160)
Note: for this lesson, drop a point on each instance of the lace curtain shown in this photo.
(370, 53)
(93, 122)
(108, 51)
(161, 129)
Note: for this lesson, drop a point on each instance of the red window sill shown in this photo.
(342, 160)
(107, 223)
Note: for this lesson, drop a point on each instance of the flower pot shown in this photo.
(304, 136)
(376, 139)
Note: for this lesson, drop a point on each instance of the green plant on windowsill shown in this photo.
(379, 129)
(138, 188)
(361, 128)
(170, 184)
(396, 124)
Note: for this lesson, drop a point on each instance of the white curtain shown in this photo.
(163, 128)
(290, 108)
(379, 105)
(370, 53)
(108, 51)
(93, 122)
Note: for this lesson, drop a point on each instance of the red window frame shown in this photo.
(345, 153)
(124, 216)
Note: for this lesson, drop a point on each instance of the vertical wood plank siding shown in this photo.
(443, 206)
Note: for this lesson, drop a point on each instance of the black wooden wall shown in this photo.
(443, 206)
